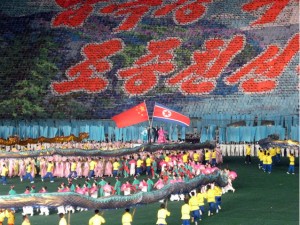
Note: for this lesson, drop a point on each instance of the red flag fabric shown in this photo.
(168, 115)
(132, 116)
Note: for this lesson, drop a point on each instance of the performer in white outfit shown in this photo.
(223, 149)
(44, 210)
(296, 152)
(257, 146)
(232, 149)
(241, 147)
(61, 209)
(227, 149)
(252, 148)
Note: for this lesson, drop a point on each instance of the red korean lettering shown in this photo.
(132, 10)
(87, 75)
(259, 75)
(68, 3)
(200, 77)
(185, 11)
(143, 76)
(274, 9)
(77, 11)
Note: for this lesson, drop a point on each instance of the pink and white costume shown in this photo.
(108, 169)
(161, 136)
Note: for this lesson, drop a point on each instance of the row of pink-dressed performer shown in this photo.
(125, 166)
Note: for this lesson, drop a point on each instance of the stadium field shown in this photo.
(259, 199)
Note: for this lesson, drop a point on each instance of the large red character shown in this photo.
(185, 11)
(77, 11)
(260, 74)
(200, 77)
(133, 10)
(143, 76)
(87, 75)
(274, 9)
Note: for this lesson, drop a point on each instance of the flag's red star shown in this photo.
(166, 113)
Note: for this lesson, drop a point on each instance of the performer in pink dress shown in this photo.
(21, 168)
(79, 168)
(16, 167)
(43, 167)
(61, 168)
(67, 167)
(86, 169)
(127, 188)
(108, 168)
(10, 168)
(107, 188)
(161, 136)
(56, 168)
(143, 186)
(99, 168)
(159, 184)
(132, 164)
(79, 190)
(33, 172)
(85, 189)
(94, 190)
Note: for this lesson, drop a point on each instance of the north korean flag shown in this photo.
(163, 113)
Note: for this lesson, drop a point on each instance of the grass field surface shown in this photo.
(260, 199)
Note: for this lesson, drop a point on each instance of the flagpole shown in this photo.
(133, 213)
(151, 121)
(152, 117)
(147, 113)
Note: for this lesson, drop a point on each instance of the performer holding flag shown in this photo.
(139, 114)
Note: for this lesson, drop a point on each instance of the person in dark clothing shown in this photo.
(155, 133)
(149, 130)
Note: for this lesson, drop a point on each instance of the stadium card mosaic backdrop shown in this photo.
(88, 59)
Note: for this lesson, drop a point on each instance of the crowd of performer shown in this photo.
(270, 157)
(57, 166)
(160, 168)
(104, 176)
(74, 167)
(171, 164)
